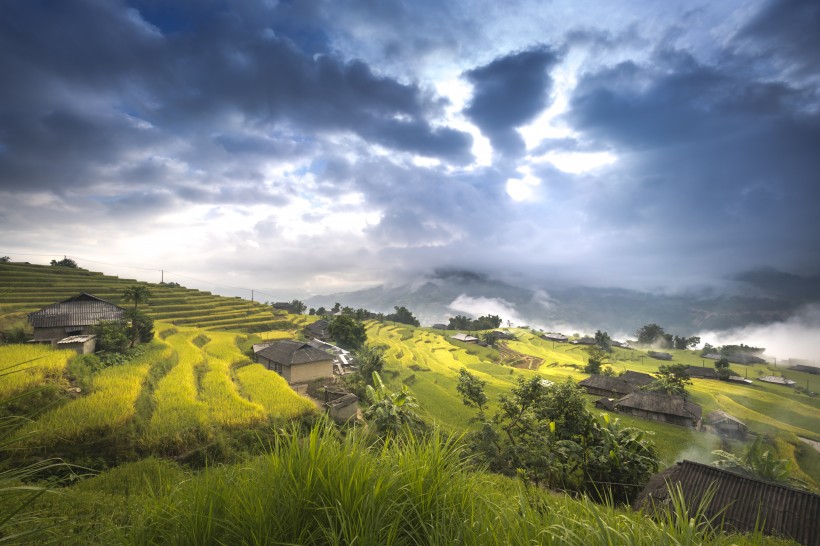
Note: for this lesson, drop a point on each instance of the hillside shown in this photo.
(25, 288)
(191, 398)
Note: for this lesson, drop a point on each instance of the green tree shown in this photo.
(489, 338)
(487, 322)
(459, 322)
(4, 259)
(684, 343)
(112, 336)
(758, 462)
(65, 262)
(650, 333)
(471, 390)
(297, 307)
(369, 359)
(392, 413)
(137, 294)
(595, 359)
(671, 379)
(336, 307)
(142, 323)
(347, 332)
(402, 315)
(603, 341)
(722, 368)
(321, 311)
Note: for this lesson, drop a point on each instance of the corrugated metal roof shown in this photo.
(747, 503)
(76, 339)
(81, 310)
(293, 352)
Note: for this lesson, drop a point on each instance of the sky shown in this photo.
(312, 146)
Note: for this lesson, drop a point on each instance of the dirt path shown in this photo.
(516, 359)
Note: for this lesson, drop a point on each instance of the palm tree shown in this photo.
(138, 294)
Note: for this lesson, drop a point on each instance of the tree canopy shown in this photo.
(402, 315)
(347, 332)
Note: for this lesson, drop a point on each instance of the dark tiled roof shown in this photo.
(637, 378)
(317, 328)
(745, 502)
(605, 403)
(293, 352)
(81, 310)
(342, 401)
(702, 372)
(659, 355)
(660, 403)
(606, 383)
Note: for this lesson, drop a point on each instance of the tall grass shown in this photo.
(324, 490)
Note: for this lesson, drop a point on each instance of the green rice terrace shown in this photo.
(190, 442)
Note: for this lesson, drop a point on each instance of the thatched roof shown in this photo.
(660, 403)
(605, 403)
(606, 383)
(702, 372)
(293, 352)
(80, 310)
(743, 503)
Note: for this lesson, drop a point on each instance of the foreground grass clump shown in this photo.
(323, 490)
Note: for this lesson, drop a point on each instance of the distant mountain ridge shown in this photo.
(775, 297)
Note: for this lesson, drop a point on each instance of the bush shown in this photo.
(65, 262)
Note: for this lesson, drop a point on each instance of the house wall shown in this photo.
(303, 373)
(603, 392)
(662, 417)
(86, 348)
(59, 332)
(344, 413)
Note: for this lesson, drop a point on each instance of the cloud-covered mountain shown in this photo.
(434, 298)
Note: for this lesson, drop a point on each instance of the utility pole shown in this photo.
(251, 294)
(162, 276)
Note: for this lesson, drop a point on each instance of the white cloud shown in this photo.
(477, 307)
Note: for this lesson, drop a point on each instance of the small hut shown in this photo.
(726, 425)
(660, 407)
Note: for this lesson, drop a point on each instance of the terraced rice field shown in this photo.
(23, 367)
(25, 288)
(203, 384)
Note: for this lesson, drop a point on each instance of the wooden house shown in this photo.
(296, 361)
(660, 407)
(500, 334)
(702, 372)
(560, 338)
(726, 425)
(659, 355)
(742, 503)
(586, 340)
(319, 329)
(76, 316)
(604, 385)
(464, 338)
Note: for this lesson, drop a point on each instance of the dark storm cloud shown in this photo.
(508, 93)
(717, 165)
(786, 32)
(97, 84)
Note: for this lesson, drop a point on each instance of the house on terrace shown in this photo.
(604, 385)
(660, 407)
(560, 338)
(319, 330)
(464, 338)
(76, 316)
(726, 425)
(296, 361)
(660, 355)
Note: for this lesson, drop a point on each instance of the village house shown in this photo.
(499, 334)
(319, 329)
(741, 503)
(621, 344)
(560, 338)
(806, 369)
(659, 355)
(342, 406)
(660, 407)
(702, 372)
(464, 338)
(604, 385)
(76, 316)
(296, 361)
(639, 379)
(726, 425)
(439, 326)
(586, 340)
(775, 380)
